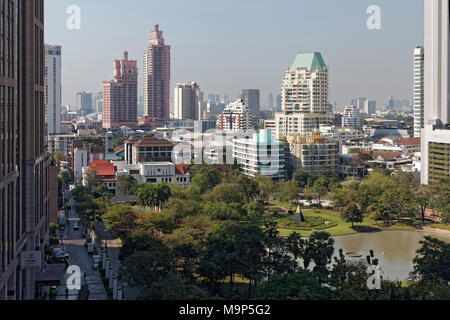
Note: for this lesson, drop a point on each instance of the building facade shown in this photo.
(314, 153)
(84, 103)
(156, 79)
(261, 155)
(251, 98)
(435, 136)
(304, 94)
(23, 160)
(189, 102)
(53, 89)
(235, 117)
(120, 95)
(419, 70)
(351, 117)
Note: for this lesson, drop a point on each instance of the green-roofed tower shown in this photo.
(304, 93)
(311, 61)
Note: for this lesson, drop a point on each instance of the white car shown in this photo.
(76, 226)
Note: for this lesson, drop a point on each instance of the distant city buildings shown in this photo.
(351, 117)
(235, 117)
(189, 102)
(304, 96)
(251, 98)
(156, 85)
(120, 95)
(84, 103)
(435, 137)
(419, 72)
(52, 89)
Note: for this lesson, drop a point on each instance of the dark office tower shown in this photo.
(23, 156)
(278, 103)
(251, 99)
(84, 103)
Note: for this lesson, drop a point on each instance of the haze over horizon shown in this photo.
(230, 45)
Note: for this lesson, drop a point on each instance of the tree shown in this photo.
(352, 214)
(126, 185)
(289, 190)
(121, 219)
(432, 260)
(321, 246)
(151, 195)
(266, 187)
(213, 176)
(92, 179)
(304, 178)
(58, 157)
(302, 285)
(140, 241)
(320, 188)
(225, 192)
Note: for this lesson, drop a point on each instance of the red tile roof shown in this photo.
(409, 142)
(386, 155)
(103, 168)
(180, 169)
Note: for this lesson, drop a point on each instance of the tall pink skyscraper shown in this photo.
(120, 95)
(156, 79)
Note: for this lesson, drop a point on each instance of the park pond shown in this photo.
(395, 250)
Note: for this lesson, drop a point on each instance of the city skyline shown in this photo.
(198, 44)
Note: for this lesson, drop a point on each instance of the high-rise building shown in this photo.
(97, 102)
(52, 79)
(23, 159)
(278, 103)
(262, 155)
(304, 96)
(351, 117)
(157, 79)
(271, 101)
(435, 137)
(419, 61)
(120, 95)
(235, 117)
(189, 102)
(251, 99)
(84, 103)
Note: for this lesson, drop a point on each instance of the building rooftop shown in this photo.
(311, 61)
(103, 167)
(149, 141)
(409, 142)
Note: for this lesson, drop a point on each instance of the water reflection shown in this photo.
(395, 250)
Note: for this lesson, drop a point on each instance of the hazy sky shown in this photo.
(232, 44)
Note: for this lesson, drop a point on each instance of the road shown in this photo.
(78, 256)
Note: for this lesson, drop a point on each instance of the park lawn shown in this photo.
(343, 228)
(438, 226)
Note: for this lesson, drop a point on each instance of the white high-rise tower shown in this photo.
(418, 90)
(53, 88)
(435, 137)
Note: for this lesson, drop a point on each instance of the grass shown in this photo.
(344, 228)
(438, 226)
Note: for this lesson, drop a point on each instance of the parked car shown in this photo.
(96, 261)
(87, 241)
(76, 226)
(91, 248)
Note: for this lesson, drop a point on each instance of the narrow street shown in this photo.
(78, 255)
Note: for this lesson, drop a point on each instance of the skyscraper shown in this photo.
(120, 95)
(304, 96)
(435, 137)
(23, 157)
(235, 117)
(271, 101)
(156, 79)
(84, 103)
(189, 102)
(251, 99)
(419, 61)
(53, 88)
